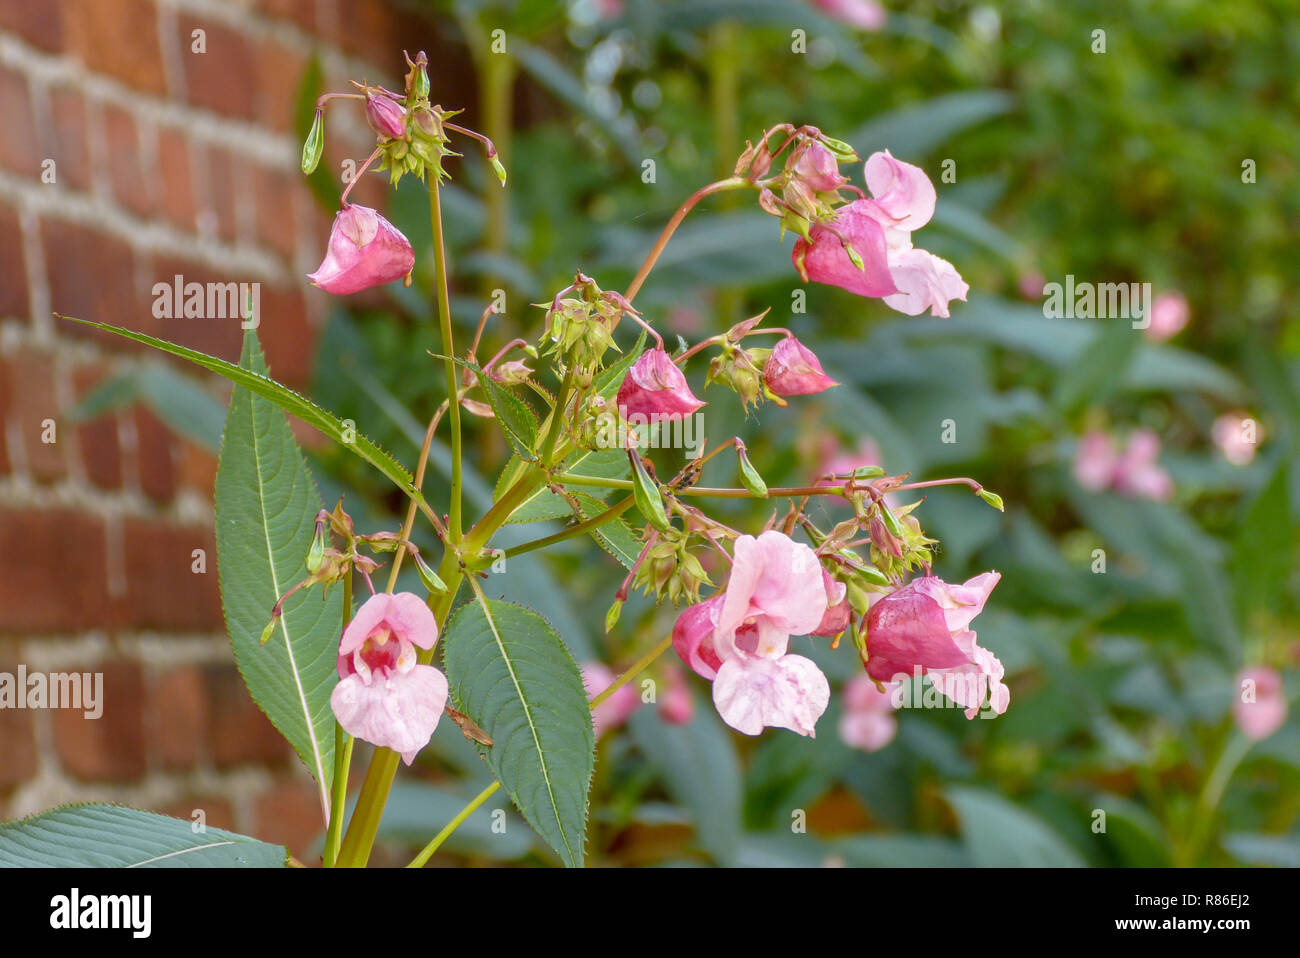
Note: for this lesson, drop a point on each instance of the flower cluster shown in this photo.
(1133, 472)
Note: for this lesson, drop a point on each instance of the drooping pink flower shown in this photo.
(654, 388)
(1260, 707)
(925, 281)
(868, 721)
(901, 190)
(1169, 314)
(825, 261)
(739, 638)
(819, 169)
(1237, 436)
(385, 115)
(614, 711)
(793, 370)
(365, 250)
(385, 697)
(923, 629)
(1138, 474)
(836, 619)
(863, 14)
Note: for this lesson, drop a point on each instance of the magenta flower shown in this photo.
(923, 629)
(614, 711)
(385, 697)
(868, 720)
(819, 169)
(863, 14)
(655, 390)
(793, 370)
(385, 115)
(825, 261)
(1169, 314)
(739, 638)
(364, 250)
(1259, 708)
(836, 619)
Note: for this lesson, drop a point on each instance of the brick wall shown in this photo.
(165, 160)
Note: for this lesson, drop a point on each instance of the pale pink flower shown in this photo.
(923, 629)
(654, 388)
(863, 14)
(365, 250)
(868, 721)
(385, 115)
(819, 169)
(793, 370)
(1169, 314)
(614, 711)
(1137, 474)
(1237, 436)
(739, 638)
(925, 281)
(901, 190)
(1260, 707)
(385, 697)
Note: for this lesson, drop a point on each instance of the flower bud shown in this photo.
(793, 370)
(655, 388)
(314, 145)
(385, 115)
(818, 168)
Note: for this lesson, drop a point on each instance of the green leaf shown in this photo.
(615, 536)
(917, 128)
(513, 675)
(544, 504)
(282, 396)
(114, 836)
(266, 505)
(1264, 546)
(516, 417)
(999, 834)
(1096, 373)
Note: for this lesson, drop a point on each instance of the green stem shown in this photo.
(557, 416)
(595, 522)
(640, 666)
(427, 852)
(449, 364)
(1234, 750)
(342, 759)
(708, 492)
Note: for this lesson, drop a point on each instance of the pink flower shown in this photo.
(676, 705)
(923, 629)
(1137, 474)
(364, 250)
(793, 370)
(1237, 436)
(863, 14)
(739, 638)
(385, 697)
(1030, 285)
(901, 190)
(819, 169)
(836, 619)
(825, 261)
(868, 720)
(654, 388)
(1260, 707)
(385, 115)
(1094, 461)
(1169, 314)
(925, 282)
(614, 711)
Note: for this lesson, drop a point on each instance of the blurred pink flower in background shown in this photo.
(1237, 436)
(614, 711)
(1169, 314)
(1134, 472)
(1259, 707)
(1030, 285)
(868, 721)
(863, 14)
(676, 704)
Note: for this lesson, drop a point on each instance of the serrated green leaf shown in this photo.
(266, 505)
(282, 396)
(114, 836)
(545, 504)
(615, 536)
(516, 417)
(513, 675)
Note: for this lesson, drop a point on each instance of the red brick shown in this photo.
(198, 468)
(37, 23)
(274, 193)
(19, 150)
(219, 202)
(241, 733)
(153, 449)
(92, 276)
(119, 38)
(52, 570)
(70, 144)
(101, 450)
(13, 291)
(6, 377)
(33, 404)
(163, 590)
(280, 73)
(220, 79)
(176, 178)
(290, 814)
(17, 738)
(110, 748)
(303, 14)
(217, 811)
(286, 334)
(212, 335)
(177, 720)
(132, 188)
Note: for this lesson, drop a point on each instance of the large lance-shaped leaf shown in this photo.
(113, 836)
(266, 514)
(513, 675)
